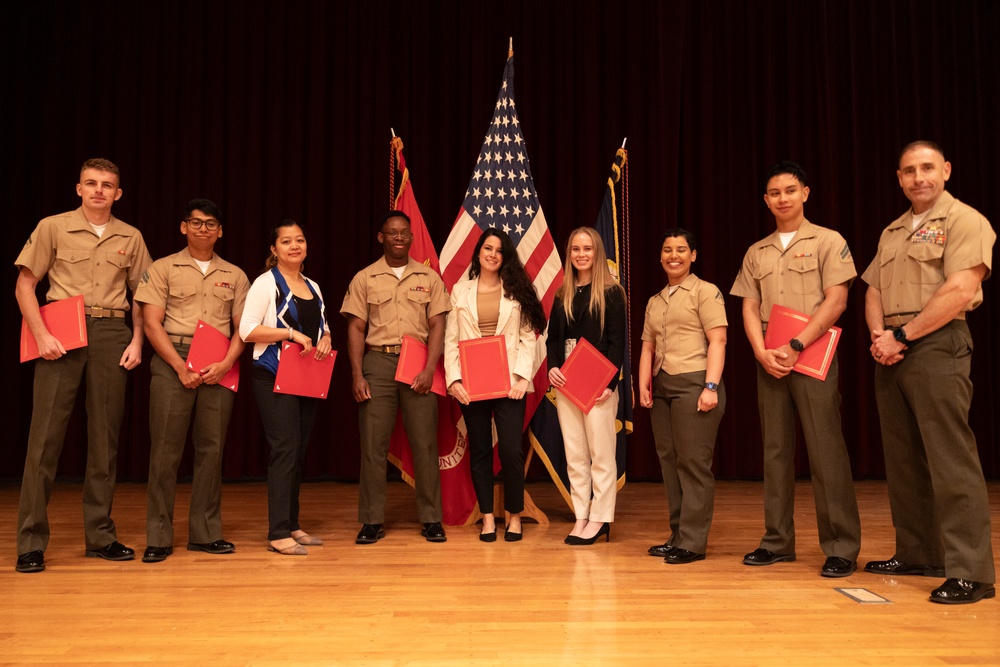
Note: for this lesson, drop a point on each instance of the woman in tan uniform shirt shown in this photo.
(680, 380)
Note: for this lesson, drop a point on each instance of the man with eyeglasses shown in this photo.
(176, 293)
(395, 297)
(91, 253)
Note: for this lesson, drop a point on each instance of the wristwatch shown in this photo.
(796, 345)
(712, 386)
(900, 336)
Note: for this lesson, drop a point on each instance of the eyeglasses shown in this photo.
(398, 235)
(210, 224)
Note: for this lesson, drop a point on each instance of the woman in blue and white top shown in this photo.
(284, 305)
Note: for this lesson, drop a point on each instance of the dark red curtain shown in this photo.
(281, 110)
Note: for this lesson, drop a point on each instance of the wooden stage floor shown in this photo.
(537, 602)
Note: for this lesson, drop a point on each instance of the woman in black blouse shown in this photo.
(590, 305)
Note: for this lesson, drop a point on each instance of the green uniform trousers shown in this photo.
(377, 418)
(685, 442)
(817, 405)
(937, 493)
(171, 406)
(54, 395)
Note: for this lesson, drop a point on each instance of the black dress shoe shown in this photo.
(898, 567)
(660, 550)
(434, 532)
(33, 561)
(962, 591)
(838, 567)
(679, 556)
(765, 557)
(488, 537)
(370, 533)
(113, 551)
(216, 547)
(156, 554)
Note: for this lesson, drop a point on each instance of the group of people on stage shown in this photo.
(925, 277)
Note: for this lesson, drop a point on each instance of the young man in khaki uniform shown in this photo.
(393, 297)
(176, 292)
(926, 276)
(809, 269)
(90, 252)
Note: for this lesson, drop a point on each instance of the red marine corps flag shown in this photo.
(458, 498)
(501, 194)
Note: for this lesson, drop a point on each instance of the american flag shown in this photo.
(501, 194)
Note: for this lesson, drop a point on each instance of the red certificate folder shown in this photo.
(485, 372)
(65, 319)
(588, 373)
(303, 376)
(208, 346)
(413, 360)
(785, 324)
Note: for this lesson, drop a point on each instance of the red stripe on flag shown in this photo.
(550, 295)
(455, 270)
(538, 256)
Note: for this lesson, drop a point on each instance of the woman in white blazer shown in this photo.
(498, 299)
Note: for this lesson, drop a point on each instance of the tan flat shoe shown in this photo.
(309, 541)
(294, 550)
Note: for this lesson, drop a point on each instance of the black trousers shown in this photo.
(509, 417)
(287, 422)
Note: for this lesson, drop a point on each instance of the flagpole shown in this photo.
(392, 169)
(510, 47)
(627, 257)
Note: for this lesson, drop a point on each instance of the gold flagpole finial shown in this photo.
(510, 47)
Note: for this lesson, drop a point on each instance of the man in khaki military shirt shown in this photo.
(90, 252)
(176, 292)
(926, 276)
(809, 269)
(393, 297)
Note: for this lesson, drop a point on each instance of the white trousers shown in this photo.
(590, 442)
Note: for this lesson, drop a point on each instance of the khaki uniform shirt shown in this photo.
(676, 325)
(396, 307)
(77, 261)
(176, 284)
(795, 277)
(911, 265)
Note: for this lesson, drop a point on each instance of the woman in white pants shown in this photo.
(589, 305)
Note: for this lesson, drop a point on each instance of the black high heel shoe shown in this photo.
(605, 530)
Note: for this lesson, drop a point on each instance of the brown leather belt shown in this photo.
(387, 349)
(898, 320)
(94, 311)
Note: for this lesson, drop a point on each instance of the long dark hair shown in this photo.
(515, 279)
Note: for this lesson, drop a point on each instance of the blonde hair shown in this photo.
(602, 278)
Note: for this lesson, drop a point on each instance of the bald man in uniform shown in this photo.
(809, 269)
(393, 297)
(90, 252)
(926, 276)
